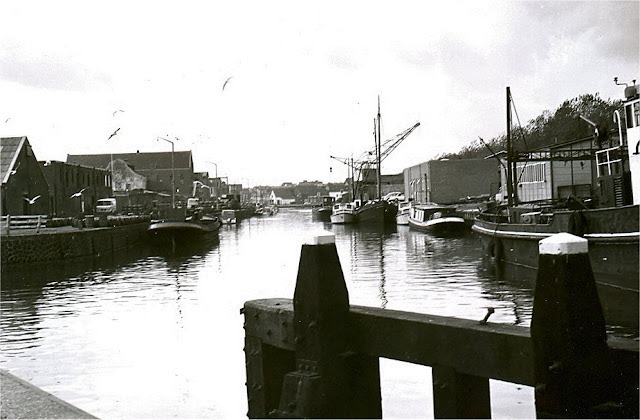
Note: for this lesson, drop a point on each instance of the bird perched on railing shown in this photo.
(483, 321)
(31, 200)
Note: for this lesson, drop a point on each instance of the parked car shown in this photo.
(106, 206)
(394, 196)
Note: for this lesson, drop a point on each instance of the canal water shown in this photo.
(153, 334)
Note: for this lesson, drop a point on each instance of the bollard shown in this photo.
(571, 360)
(329, 381)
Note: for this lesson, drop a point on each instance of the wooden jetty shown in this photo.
(318, 357)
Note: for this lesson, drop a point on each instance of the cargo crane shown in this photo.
(382, 150)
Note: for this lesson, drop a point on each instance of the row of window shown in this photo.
(533, 172)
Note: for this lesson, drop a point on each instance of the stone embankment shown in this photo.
(64, 242)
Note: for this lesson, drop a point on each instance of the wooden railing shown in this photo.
(9, 223)
(318, 357)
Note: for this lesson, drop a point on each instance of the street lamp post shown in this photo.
(216, 165)
(173, 174)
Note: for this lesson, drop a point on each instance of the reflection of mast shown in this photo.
(383, 280)
(378, 152)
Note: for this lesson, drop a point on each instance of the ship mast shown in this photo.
(378, 152)
(510, 163)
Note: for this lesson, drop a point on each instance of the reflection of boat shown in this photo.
(324, 209)
(343, 213)
(228, 217)
(510, 233)
(194, 229)
(434, 218)
(402, 216)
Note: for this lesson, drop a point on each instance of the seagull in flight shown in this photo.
(79, 193)
(114, 133)
(116, 111)
(7, 120)
(31, 200)
(225, 83)
(16, 169)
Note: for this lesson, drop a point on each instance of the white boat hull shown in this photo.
(343, 218)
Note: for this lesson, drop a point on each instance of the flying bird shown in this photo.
(116, 111)
(31, 200)
(7, 120)
(16, 169)
(114, 133)
(79, 193)
(225, 83)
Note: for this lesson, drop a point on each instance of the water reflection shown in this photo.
(152, 333)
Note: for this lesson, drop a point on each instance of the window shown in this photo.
(533, 172)
(632, 114)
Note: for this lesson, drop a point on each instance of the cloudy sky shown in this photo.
(305, 77)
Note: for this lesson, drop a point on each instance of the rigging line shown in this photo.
(492, 152)
(513, 104)
(523, 137)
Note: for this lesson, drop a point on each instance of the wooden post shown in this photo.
(571, 360)
(8, 224)
(329, 382)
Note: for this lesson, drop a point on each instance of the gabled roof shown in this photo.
(139, 161)
(9, 150)
(286, 193)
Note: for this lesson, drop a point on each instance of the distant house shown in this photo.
(157, 167)
(66, 180)
(282, 196)
(309, 192)
(24, 187)
(125, 178)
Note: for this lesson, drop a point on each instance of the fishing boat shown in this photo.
(193, 230)
(402, 216)
(435, 218)
(322, 211)
(380, 211)
(343, 213)
(510, 232)
(228, 217)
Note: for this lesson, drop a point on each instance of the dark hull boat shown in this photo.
(184, 233)
(377, 212)
(323, 211)
(510, 233)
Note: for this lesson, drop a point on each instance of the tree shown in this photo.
(563, 125)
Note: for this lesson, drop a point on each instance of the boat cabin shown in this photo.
(583, 169)
(632, 117)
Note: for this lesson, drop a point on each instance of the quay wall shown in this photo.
(70, 243)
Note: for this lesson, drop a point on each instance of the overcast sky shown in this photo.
(305, 77)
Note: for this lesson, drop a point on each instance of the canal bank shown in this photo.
(23, 400)
(61, 243)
